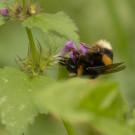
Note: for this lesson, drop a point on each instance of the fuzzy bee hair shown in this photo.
(104, 44)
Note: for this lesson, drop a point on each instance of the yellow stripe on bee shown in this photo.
(80, 70)
(106, 60)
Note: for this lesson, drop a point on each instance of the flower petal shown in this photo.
(84, 50)
(66, 48)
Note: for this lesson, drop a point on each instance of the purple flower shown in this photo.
(70, 46)
(66, 48)
(4, 11)
(83, 49)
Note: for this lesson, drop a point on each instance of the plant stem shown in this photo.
(62, 73)
(24, 5)
(68, 127)
(33, 49)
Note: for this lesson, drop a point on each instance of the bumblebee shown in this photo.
(98, 60)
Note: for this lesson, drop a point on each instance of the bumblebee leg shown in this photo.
(62, 63)
(77, 52)
(63, 57)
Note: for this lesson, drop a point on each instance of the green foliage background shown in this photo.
(112, 20)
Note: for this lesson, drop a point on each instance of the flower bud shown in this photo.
(32, 9)
(4, 12)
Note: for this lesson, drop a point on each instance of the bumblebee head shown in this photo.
(105, 49)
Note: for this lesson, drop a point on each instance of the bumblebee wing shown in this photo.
(114, 70)
(75, 51)
(105, 67)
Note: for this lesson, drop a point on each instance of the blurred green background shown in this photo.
(112, 20)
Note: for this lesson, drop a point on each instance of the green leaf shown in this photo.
(109, 126)
(59, 23)
(54, 40)
(3, 2)
(2, 21)
(17, 107)
(64, 97)
(3, 130)
(46, 125)
(63, 73)
(105, 100)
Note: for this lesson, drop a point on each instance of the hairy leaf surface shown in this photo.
(59, 23)
(17, 107)
(105, 100)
